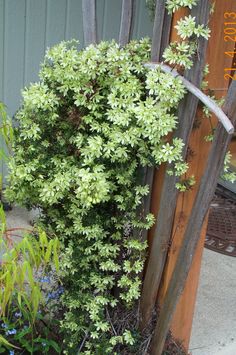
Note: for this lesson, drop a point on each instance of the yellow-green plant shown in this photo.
(22, 267)
(18, 265)
(6, 130)
(22, 297)
(7, 136)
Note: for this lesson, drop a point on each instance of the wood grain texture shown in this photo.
(159, 175)
(162, 20)
(166, 31)
(89, 21)
(165, 218)
(125, 22)
(191, 237)
(158, 30)
(182, 321)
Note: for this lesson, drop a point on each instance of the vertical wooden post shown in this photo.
(160, 40)
(182, 321)
(186, 114)
(126, 21)
(157, 30)
(89, 21)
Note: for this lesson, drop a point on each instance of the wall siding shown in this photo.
(29, 27)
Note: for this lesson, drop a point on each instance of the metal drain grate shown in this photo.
(221, 230)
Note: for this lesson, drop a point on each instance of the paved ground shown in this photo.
(18, 217)
(214, 327)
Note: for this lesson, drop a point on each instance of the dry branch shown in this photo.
(186, 115)
(194, 226)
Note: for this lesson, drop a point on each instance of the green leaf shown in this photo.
(6, 343)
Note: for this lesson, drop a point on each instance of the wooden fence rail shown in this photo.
(194, 226)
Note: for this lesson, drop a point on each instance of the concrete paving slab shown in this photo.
(214, 325)
(18, 218)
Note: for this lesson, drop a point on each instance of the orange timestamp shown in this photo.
(230, 36)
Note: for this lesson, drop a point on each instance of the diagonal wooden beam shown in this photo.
(89, 21)
(199, 211)
(186, 115)
(126, 21)
(206, 100)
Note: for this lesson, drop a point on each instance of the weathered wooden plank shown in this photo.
(162, 20)
(166, 31)
(186, 115)
(126, 21)
(89, 21)
(191, 236)
(181, 323)
(157, 30)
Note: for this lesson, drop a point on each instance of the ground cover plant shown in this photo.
(86, 131)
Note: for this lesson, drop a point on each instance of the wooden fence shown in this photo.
(198, 152)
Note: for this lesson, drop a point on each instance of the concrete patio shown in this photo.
(214, 326)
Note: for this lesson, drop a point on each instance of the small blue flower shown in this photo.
(11, 352)
(45, 279)
(18, 314)
(4, 325)
(44, 344)
(60, 290)
(51, 296)
(54, 295)
(11, 331)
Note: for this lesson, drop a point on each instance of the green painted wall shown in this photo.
(29, 27)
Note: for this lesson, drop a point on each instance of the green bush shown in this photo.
(86, 130)
(86, 133)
